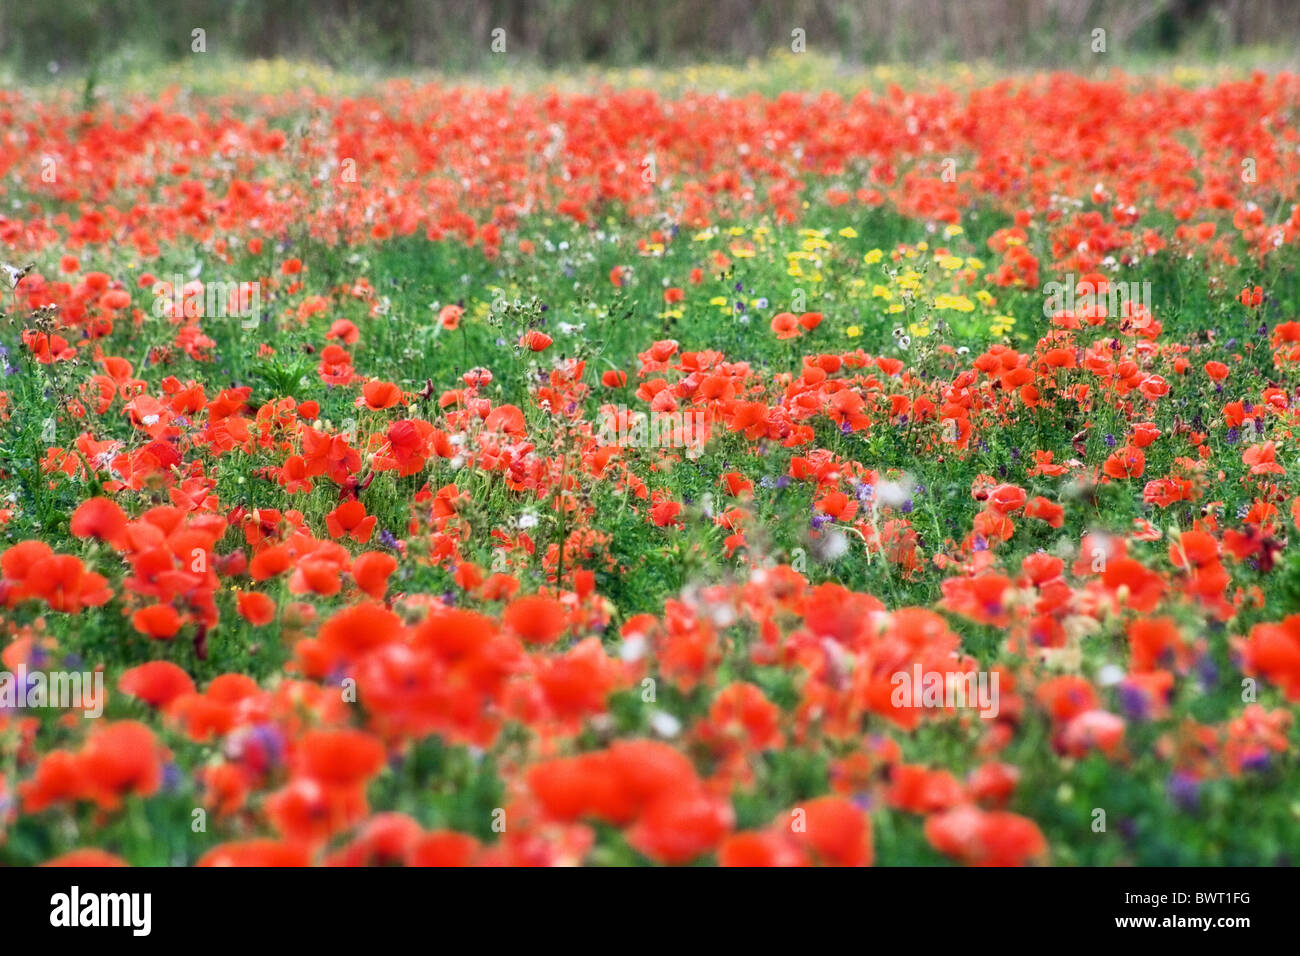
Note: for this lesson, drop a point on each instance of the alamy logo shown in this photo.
(221, 300)
(1085, 296)
(946, 689)
(69, 690)
(134, 910)
(687, 429)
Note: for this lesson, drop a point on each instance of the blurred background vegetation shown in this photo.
(455, 36)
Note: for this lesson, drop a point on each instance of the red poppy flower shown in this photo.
(159, 621)
(380, 395)
(256, 608)
(1127, 462)
(785, 325)
(537, 619)
(99, 518)
(119, 759)
(350, 519)
(256, 853)
(86, 858)
(157, 683)
(535, 341)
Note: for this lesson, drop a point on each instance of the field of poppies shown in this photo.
(611, 474)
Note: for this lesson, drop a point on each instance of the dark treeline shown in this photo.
(457, 34)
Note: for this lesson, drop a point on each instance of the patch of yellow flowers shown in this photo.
(918, 286)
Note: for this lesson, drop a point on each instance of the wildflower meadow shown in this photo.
(771, 464)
